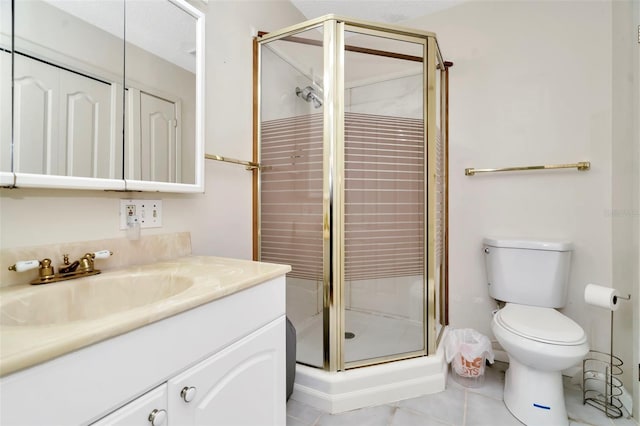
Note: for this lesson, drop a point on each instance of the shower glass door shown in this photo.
(352, 187)
(384, 197)
(291, 178)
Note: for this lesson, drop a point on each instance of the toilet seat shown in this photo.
(544, 325)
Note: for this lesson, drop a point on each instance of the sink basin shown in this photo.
(88, 298)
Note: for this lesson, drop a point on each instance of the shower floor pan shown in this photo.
(374, 336)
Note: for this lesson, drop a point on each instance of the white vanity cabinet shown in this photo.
(231, 351)
(218, 390)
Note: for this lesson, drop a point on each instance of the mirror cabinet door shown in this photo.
(6, 51)
(162, 148)
(72, 119)
(68, 93)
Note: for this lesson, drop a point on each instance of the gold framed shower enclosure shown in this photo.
(434, 70)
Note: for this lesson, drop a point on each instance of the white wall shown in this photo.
(219, 220)
(531, 84)
(225, 223)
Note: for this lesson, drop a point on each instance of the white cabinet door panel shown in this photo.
(236, 386)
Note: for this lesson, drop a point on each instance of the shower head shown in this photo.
(309, 94)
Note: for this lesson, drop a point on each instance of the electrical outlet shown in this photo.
(147, 212)
(130, 210)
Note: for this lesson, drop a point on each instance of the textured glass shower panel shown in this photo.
(384, 198)
(291, 179)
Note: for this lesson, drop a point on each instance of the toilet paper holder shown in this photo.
(601, 384)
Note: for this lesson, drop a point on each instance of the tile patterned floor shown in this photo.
(455, 406)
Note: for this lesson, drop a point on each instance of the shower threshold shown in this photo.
(336, 392)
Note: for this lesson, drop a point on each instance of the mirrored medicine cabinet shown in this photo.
(106, 94)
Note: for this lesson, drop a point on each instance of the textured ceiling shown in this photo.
(387, 11)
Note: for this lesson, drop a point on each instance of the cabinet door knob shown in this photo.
(157, 417)
(188, 393)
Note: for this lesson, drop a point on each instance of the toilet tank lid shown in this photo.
(528, 244)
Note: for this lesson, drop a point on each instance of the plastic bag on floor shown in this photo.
(466, 349)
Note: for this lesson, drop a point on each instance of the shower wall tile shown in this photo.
(401, 97)
(400, 296)
(302, 299)
(319, 296)
(309, 285)
(347, 295)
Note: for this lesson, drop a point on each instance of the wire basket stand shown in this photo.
(601, 384)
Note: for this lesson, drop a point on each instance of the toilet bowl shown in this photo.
(531, 279)
(540, 343)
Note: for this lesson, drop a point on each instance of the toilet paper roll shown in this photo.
(604, 297)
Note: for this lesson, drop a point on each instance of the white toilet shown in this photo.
(531, 277)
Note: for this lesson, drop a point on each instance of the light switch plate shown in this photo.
(148, 213)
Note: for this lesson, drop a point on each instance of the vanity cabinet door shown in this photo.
(244, 384)
(148, 410)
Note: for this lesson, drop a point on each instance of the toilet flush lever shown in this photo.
(486, 250)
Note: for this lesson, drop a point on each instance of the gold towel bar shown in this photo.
(250, 165)
(582, 165)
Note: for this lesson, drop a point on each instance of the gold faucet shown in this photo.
(46, 274)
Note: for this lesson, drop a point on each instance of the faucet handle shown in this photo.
(25, 265)
(86, 261)
(102, 254)
(45, 270)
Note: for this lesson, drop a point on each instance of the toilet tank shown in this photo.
(528, 272)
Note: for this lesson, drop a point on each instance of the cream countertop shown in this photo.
(41, 322)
